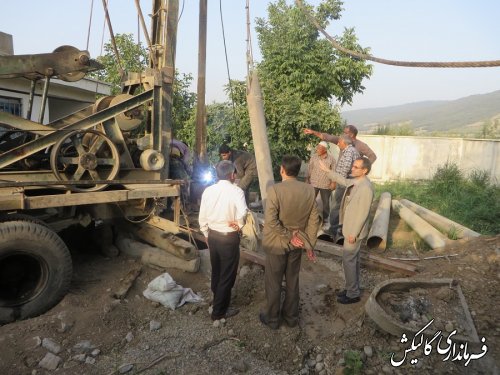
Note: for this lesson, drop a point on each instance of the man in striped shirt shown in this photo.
(319, 179)
(347, 156)
(350, 130)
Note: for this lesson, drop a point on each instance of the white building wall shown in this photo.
(417, 158)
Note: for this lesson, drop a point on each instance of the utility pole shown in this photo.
(201, 116)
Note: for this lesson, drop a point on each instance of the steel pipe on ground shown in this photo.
(440, 222)
(427, 232)
(377, 238)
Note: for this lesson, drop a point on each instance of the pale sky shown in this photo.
(423, 30)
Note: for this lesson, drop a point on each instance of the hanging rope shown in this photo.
(146, 34)
(113, 41)
(90, 23)
(423, 64)
(227, 64)
(182, 11)
(102, 35)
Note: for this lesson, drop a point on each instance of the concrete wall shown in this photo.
(64, 98)
(6, 44)
(417, 158)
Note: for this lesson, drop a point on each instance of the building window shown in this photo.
(11, 105)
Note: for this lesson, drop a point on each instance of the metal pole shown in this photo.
(31, 99)
(167, 71)
(201, 123)
(44, 99)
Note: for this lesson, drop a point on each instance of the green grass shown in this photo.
(470, 200)
(353, 363)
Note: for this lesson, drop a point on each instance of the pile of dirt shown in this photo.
(93, 333)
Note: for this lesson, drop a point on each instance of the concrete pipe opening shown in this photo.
(374, 242)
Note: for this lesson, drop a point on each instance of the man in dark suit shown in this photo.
(291, 226)
(354, 212)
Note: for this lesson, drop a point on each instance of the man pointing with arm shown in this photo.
(350, 130)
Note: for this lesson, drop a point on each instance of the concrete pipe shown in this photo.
(155, 256)
(164, 240)
(377, 238)
(442, 223)
(259, 135)
(427, 232)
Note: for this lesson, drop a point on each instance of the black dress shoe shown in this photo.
(263, 320)
(342, 293)
(291, 323)
(231, 311)
(346, 300)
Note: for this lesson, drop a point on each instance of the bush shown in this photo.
(353, 363)
(473, 201)
(480, 178)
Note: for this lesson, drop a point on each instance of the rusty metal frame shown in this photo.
(30, 148)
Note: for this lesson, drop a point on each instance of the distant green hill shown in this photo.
(465, 115)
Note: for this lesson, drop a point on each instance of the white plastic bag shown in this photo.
(165, 290)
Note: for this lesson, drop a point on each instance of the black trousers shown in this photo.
(224, 258)
(277, 266)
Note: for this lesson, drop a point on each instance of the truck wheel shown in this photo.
(35, 270)
(21, 217)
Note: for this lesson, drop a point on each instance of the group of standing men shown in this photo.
(291, 224)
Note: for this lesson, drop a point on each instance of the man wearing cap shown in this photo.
(319, 179)
(244, 162)
(350, 130)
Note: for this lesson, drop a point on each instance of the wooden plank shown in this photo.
(158, 191)
(369, 259)
(95, 197)
(253, 256)
(164, 240)
(388, 264)
(14, 201)
(163, 224)
(468, 316)
(75, 199)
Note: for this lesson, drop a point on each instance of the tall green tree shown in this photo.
(303, 76)
(183, 107)
(134, 58)
(132, 55)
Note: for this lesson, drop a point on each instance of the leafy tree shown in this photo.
(184, 104)
(302, 75)
(404, 128)
(238, 131)
(133, 57)
(490, 128)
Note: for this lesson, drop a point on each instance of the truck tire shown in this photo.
(35, 269)
(21, 217)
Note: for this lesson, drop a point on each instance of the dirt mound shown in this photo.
(117, 335)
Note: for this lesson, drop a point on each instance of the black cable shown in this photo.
(182, 11)
(227, 64)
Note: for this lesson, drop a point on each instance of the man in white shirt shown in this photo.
(222, 214)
